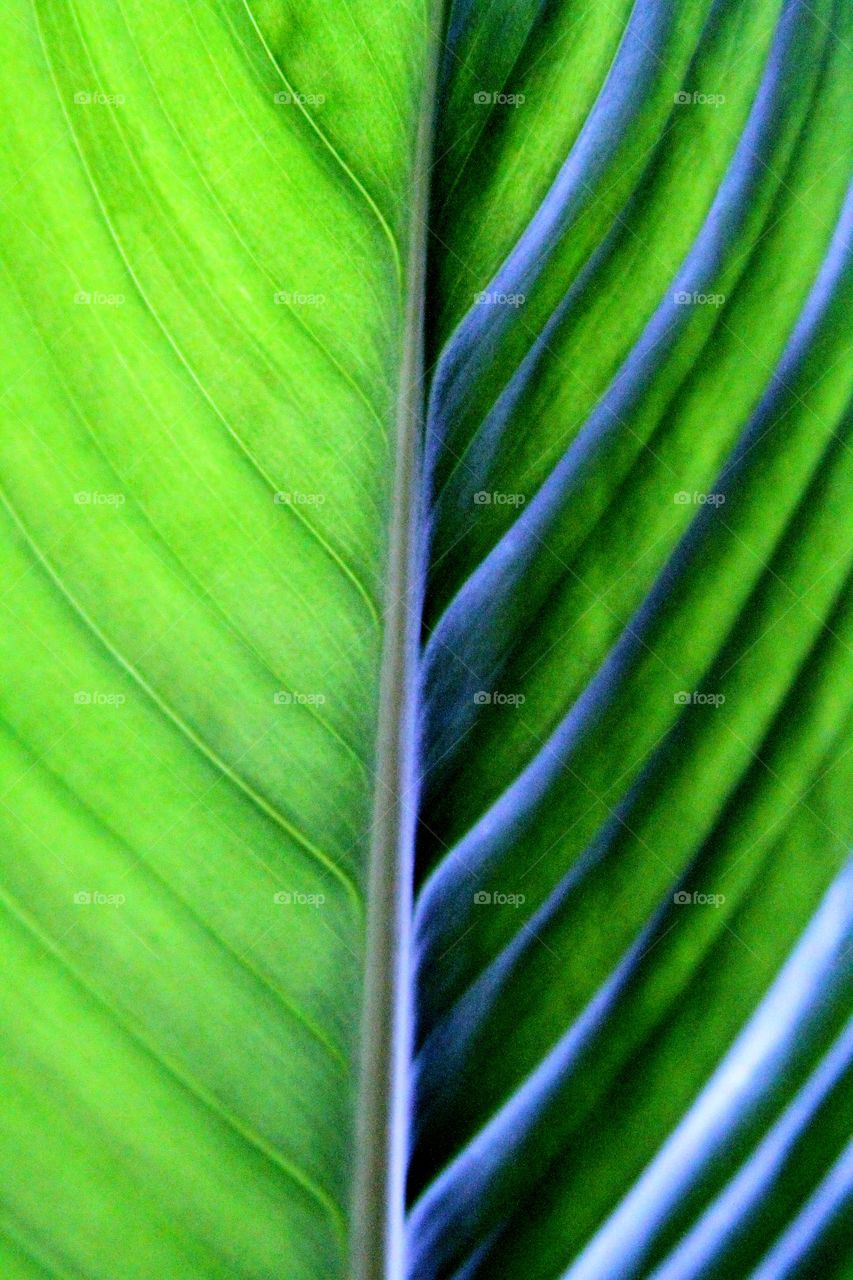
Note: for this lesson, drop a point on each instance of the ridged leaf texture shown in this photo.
(425, 727)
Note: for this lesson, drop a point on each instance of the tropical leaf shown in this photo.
(426, 723)
(205, 209)
(635, 734)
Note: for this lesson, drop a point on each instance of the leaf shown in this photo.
(206, 213)
(636, 657)
(425, 718)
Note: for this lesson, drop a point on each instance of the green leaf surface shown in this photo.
(425, 723)
(637, 656)
(205, 215)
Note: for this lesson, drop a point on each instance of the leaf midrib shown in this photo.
(378, 1210)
